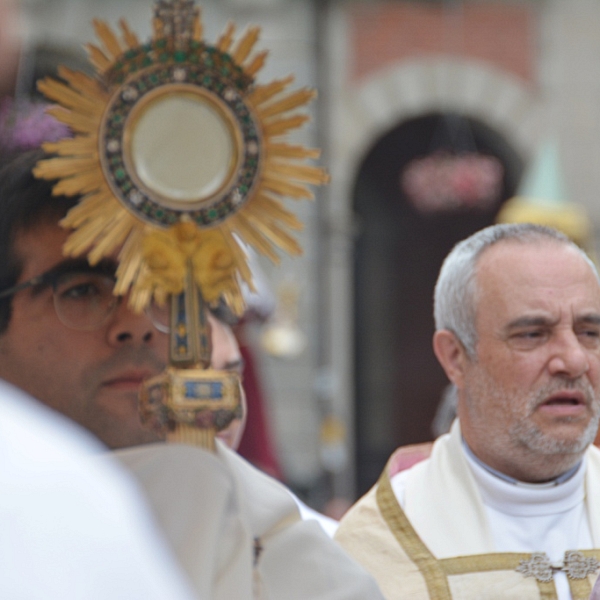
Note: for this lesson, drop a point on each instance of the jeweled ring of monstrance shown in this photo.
(180, 159)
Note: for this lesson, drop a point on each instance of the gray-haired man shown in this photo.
(506, 507)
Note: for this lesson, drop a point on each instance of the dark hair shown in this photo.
(25, 202)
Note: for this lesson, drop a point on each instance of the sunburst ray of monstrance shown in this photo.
(180, 160)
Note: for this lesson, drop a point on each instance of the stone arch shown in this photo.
(417, 87)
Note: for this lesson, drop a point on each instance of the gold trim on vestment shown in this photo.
(498, 561)
(580, 588)
(435, 578)
(436, 571)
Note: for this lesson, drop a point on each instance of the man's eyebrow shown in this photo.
(589, 318)
(82, 265)
(530, 321)
(75, 265)
(541, 321)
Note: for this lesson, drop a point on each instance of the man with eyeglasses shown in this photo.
(66, 340)
(64, 337)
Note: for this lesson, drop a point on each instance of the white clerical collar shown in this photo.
(515, 497)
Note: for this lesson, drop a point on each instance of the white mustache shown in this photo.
(558, 385)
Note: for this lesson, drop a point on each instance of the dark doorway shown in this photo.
(398, 253)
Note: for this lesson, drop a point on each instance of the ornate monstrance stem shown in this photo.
(190, 348)
(190, 341)
(190, 402)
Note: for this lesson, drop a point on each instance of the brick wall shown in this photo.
(503, 35)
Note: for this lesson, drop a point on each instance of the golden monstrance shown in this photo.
(180, 159)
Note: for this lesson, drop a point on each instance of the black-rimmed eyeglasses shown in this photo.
(83, 295)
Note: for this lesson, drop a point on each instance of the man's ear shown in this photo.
(451, 354)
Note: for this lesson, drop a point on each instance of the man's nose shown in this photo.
(127, 327)
(569, 356)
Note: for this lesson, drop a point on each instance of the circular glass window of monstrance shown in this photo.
(182, 146)
(176, 143)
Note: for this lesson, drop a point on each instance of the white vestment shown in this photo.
(328, 524)
(267, 552)
(441, 544)
(74, 525)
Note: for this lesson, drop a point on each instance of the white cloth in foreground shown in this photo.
(73, 525)
(447, 528)
(307, 513)
(267, 552)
